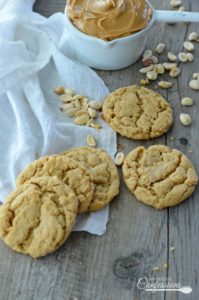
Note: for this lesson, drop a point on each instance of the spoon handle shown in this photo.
(164, 16)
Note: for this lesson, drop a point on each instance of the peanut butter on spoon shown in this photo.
(109, 19)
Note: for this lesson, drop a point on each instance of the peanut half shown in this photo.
(187, 101)
(95, 104)
(172, 57)
(147, 53)
(175, 3)
(68, 105)
(194, 84)
(165, 84)
(181, 8)
(175, 72)
(169, 66)
(92, 112)
(185, 119)
(160, 48)
(146, 69)
(159, 68)
(71, 112)
(152, 75)
(69, 92)
(183, 57)
(189, 46)
(66, 98)
(90, 141)
(154, 59)
(190, 57)
(193, 36)
(82, 120)
(119, 158)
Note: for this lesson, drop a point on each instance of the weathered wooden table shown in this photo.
(138, 238)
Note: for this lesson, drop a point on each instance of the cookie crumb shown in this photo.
(144, 81)
(172, 138)
(155, 269)
(120, 146)
(172, 249)
(102, 117)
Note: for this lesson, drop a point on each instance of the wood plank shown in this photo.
(48, 8)
(183, 219)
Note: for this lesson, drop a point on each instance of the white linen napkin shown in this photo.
(32, 65)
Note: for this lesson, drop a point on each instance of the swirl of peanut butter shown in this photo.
(109, 19)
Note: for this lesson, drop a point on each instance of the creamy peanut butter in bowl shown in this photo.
(109, 19)
(112, 34)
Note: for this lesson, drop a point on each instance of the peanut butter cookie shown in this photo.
(137, 113)
(38, 216)
(103, 174)
(159, 176)
(68, 170)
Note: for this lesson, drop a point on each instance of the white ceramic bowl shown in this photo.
(121, 52)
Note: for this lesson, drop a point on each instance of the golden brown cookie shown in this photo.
(103, 174)
(159, 176)
(137, 113)
(38, 216)
(68, 170)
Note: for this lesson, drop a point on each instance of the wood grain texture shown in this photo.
(138, 237)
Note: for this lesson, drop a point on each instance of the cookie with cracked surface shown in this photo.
(159, 176)
(137, 113)
(38, 216)
(103, 173)
(68, 170)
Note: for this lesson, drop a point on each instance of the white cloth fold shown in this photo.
(32, 64)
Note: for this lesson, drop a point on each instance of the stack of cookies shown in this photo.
(39, 215)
